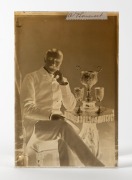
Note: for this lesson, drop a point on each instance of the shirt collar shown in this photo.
(45, 73)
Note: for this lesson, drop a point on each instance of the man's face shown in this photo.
(53, 64)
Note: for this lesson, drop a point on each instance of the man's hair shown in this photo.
(55, 53)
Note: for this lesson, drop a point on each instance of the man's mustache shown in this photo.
(53, 67)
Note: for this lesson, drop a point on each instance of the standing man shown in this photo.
(43, 93)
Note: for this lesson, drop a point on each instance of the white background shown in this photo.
(7, 169)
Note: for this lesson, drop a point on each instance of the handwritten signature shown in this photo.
(86, 15)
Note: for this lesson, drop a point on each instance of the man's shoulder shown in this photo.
(32, 74)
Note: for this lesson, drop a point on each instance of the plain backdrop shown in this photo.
(7, 8)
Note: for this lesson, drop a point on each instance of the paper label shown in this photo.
(86, 16)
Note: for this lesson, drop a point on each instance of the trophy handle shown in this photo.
(99, 69)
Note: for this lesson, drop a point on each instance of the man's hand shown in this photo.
(59, 78)
(55, 117)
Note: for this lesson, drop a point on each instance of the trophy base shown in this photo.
(89, 106)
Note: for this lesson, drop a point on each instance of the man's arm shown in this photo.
(68, 98)
(28, 105)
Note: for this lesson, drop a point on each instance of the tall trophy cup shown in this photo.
(89, 79)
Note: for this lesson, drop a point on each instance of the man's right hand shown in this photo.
(55, 117)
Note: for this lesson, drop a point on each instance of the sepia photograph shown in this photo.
(66, 89)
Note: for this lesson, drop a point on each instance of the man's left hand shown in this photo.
(55, 117)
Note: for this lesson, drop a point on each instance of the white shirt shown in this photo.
(41, 95)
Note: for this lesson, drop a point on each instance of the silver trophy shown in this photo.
(89, 79)
(79, 93)
(99, 95)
